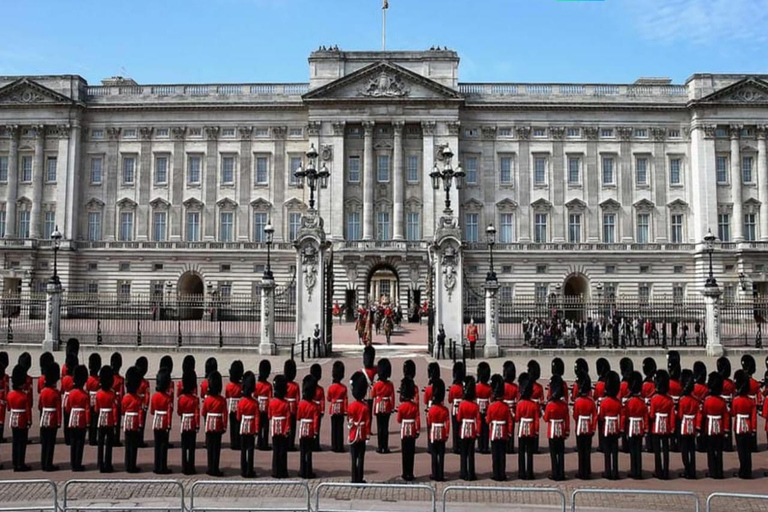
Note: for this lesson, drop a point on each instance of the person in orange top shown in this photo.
(715, 419)
(233, 392)
(279, 416)
(106, 411)
(4, 389)
(585, 421)
(558, 427)
(744, 411)
(511, 396)
(77, 411)
(161, 406)
(292, 396)
(188, 409)
(610, 417)
(263, 396)
(689, 419)
(317, 372)
(214, 414)
(143, 365)
(409, 418)
(118, 386)
(337, 407)
(133, 416)
(635, 425)
(662, 418)
(49, 404)
(67, 384)
(358, 416)
(455, 393)
(248, 419)
(498, 417)
(472, 335)
(527, 427)
(483, 391)
(308, 422)
(383, 395)
(92, 387)
(20, 418)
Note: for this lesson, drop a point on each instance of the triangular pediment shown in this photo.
(159, 203)
(678, 205)
(541, 204)
(610, 204)
(744, 92)
(576, 204)
(383, 81)
(27, 92)
(644, 204)
(506, 204)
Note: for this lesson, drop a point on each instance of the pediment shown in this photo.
(748, 91)
(192, 202)
(678, 205)
(27, 92)
(94, 204)
(610, 204)
(159, 203)
(644, 204)
(294, 204)
(473, 204)
(576, 205)
(261, 204)
(126, 203)
(541, 204)
(226, 203)
(506, 204)
(752, 202)
(383, 81)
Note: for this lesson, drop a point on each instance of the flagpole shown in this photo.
(384, 30)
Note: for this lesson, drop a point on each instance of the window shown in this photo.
(94, 226)
(471, 169)
(126, 226)
(262, 170)
(506, 228)
(295, 163)
(382, 169)
(643, 220)
(228, 132)
(724, 227)
(162, 133)
(641, 170)
(470, 226)
(225, 290)
(193, 226)
(541, 293)
(413, 226)
(609, 228)
(505, 132)
(505, 170)
(49, 224)
(50, 174)
(746, 169)
(573, 132)
(382, 226)
(645, 269)
(93, 288)
(3, 168)
(259, 223)
(676, 233)
(540, 228)
(610, 269)
(643, 292)
(505, 293)
(24, 224)
(539, 132)
(353, 226)
(157, 267)
(129, 170)
(721, 165)
(353, 169)
(506, 269)
(641, 133)
(159, 225)
(574, 228)
(673, 133)
(606, 133)
(96, 170)
(97, 134)
(194, 163)
(261, 132)
(226, 226)
(574, 168)
(161, 170)
(541, 269)
(729, 293)
(129, 133)
(539, 170)
(678, 293)
(675, 176)
(124, 292)
(26, 169)
(749, 227)
(412, 169)
(228, 170)
(225, 267)
(608, 170)
(295, 132)
(678, 269)
(294, 223)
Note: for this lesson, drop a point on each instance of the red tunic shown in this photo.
(28, 391)
(248, 416)
(79, 401)
(188, 409)
(469, 419)
(538, 394)
(263, 394)
(320, 400)
(527, 418)
(428, 397)
(92, 386)
(359, 426)
(106, 408)
(754, 392)
(40, 384)
(585, 416)
(161, 407)
(483, 392)
(648, 389)
(700, 392)
(511, 396)
(3, 397)
(575, 392)
(744, 413)
(180, 388)
(662, 415)
(455, 395)
(675, 390)
(565, 392)
(635, 417)
(729, 390)
(292, 396)
(67, 384)
(715, 419)
(307, 419)
(118, 386)
(409, 418)
(133, 412)
(143, 393)
(624, 392)
(337, 399)
(50, 399)
(383, 395)
(233, 392)
(279, 417)
(599, 391)
(438, 423)
(557, 418)
(204, 388)
(214, 414)
(611, 414)
(500, 421)
(689, 414)
(21, 412)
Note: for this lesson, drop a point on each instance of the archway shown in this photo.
(383, 284)
(575, 296)
(190, 294)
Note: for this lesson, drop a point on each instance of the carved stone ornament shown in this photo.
(27, 95)
(625, 132)
(448, 264)
(338, 128)
(523, 132)
(761, 131)
(309, 268)
(428, 128)
(591, 132)
(439, 152)
(313, 128)
(489, 132)
(279, 132)
(145, 132)
(352, 273)
(385, 85)
(453, 128)
(749, 95)
(710, 131)
(13, 131)
(326, 152)
(735, 130)
(557, 132)
(414, 274)
(659, 134)
(178, 132)
(113, 133)
(212, 132)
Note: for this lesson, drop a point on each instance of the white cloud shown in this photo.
(701, 21)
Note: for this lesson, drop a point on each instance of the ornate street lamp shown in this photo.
(446, 177)
(490, 231)
(56, 238)
(312, 175)
(709, 245)
(269, 233)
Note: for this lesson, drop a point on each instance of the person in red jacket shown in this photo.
(188, 409)
(433, 373)
(558, 427)
(161, 407)
(383, 395)
(675, 393)
(749, 367)
(744, 411)
(558, 369)
(716, 421)
(729, 391)
(118, 386)
(49, 404)
(67, 384)
(369, 371)
(106, 411)
(25, 360)
(648, 390)
(308, 421)
(133, 416)
(689, 419)
(77, 411)
(511, 396)
(211, 365)
(248, 419)
(662, 419)
(187, 364)
(263, 396)
(292, 396)
(337, 407)
(527, 417)
(581, 366)
(279, 416)
(610, 418)
(20, 418)
(358, 416)
(537, 393)
(92, 387)
(46, 359)
(409, 371)
(4, 390)
(233, 392)
(317, 372)
(142, 363)
(409, 418)
(438, 428)
(214, 413)
(484, 392)
(455, 393)
(498, 417)
(472, 335)
(635, 425)
(585, 421)
(700, 391)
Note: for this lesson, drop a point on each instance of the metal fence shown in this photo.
(22, 318)
(504, 493)
(251, 496)
(673, 499)
(26, 495)
(412, 495)
(124, 495)
(743, 500)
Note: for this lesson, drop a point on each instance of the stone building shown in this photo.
(167, 188)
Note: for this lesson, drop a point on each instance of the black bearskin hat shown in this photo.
(534, 371)
(483, 372)
(25, 360)
(581, 365)
(509, 372)
(406, 389)
(46, 358)
(661, 381)
(81, 376)
(459, 372)
(603, 366)
(558, 367)
(742, 383)
(167, 363)
(384, 370)
(469, 388)
(236, 371)
(189, 381)
(94, 364)
(649, 368)
(700, 372)
(265, 368)
(249, 383)
(635, 383)
(556, 385)
(18, 377)
(674, 371)
(308, 387)
(369, 354)
(433, 372)
(687, 381)
(132, 380)
(142, 364)
(317, 372)
(748, 364)
(116, 362)
(715, 384)
(612, 384)
(214, 384)
(409, 368)
(626, 367)
(188, 363)
(52, 372)
(4, 361)
(526, 386)
(106, 378)
(280, 386)
(163, 380)
(724, 367)
(438, 391)
(337, 372)
(497, 386)
(211, 365)
(289, 370)
(673, 357)
(359, 385)
(585, 384)
(73, 346)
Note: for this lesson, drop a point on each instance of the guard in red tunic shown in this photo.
(383, 395)
(689, 419)
(409, 418)
(308, 423)
(580, 367)
(67, 384)
(92, 387)
(715, 420)
(558, 428)
(500, 423)
(484, 392)
(133, 416)
(118, 386)
(188, 409)
(317, 372)
(143, 365)
(537, 393)
(438, 429)
(106, 412)
(749, 367)
(369, 371)
(161, 407)
(528, 412)
(610, 417)
(233, 393)
(263, 396)
(602, 366)
(744, 412)
(25, 360)
(648, 390)
(214, 415)
(4, 390)
(46, 359)
(279, 417)
(433, 373)
(187, 364)
(729, 392)
(77, 412)
(211, 365)
(472, 335)
(455, 394)
(675, 392)
(558, 369)
(635, 425)
(337, 407)
(358, 417)
(700, 391)
(292, 396)
(662, 419)
(49, 404)
(511, 396)
(585, 422)
(626, 369)
(247, 417)
(19, 418)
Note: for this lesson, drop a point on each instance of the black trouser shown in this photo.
(47, 446)
(263, 441)
(234, 432)
(701, 441)
(279, 456)
(118, 428)
(728, 446)
(600, 435)
(337, 433)
(635, 444)
(306, 447)
(292, 434)
(132, 439)
(611, 456)
(104, 453)
(408, 450)
(76, 447)
(438, 461)
(456, 430)
(188, 442)
(688, 452)
(584, 449)
(744, 447)
(317, 436)
(92, 428)
(2, 431)
(715, 455)
(64, 426)
(357, 456)
(557, 457)
(525, 449)
(511, 441)
(648, 443)
(382, 427)
(499, 459)
(483, 443)
(467, 468)
(161, 451)
(213, 447)
(142, 428)
(674, 440)
(19, 449)
(247, 447)
(472, 350)
(441, 350)
(661, 455)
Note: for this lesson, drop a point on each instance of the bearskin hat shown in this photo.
(635, 383)
(280, 386)
(289, 370)
(236, 371)
(80, 376)
(46, 358)
(748, 364)
(308, 387)
(407, 390)
(509, 372)
(18, 377)
(163, 381)
(742, 383)
(25, 360)
(71, 362)
(106, 378)
(526, 386)
(469, 388)
(211, 365)
(558, 367)
(603, 366)
(73, 346)
(142, 364)
(4, 361)
(94, 363)
(359, 385)
(265, 368)
(673, 357)
(459, 372)
(715, 384)
(438, 391)
(337, 372)
(188, 363)
(132, 380)
(409, 368)
(483, 372)
(626, 367)
(249, 383)
(661, 381)
(585, 384)
(317, 372)
(52, 372)
(674, 371)
(433, 371)
(687, 381)
(369, 355)
(116, 362)
(189, 381)
(612, 384)
(497, 386)
(649, 368)
(214, 383)
(534, 370)
(581, 365)
(700, 372)
(556, 385)
(724, 367)
(167, 363)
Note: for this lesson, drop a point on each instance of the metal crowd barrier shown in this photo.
(179, 507)
(6, 503)
(692, 495)
(414, 487)
(506, 490)
(252, 506)
(732, 495)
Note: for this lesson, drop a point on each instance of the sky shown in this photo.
(245, 41)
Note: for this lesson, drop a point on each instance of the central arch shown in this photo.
(575, 296)
(383, 283)
(190, 294)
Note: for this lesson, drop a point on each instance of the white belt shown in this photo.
(129, 419)
(232, 404)
(291, 404)
(15, 416)
(359, 430)
(742, 424)
(482, 403)
(456, 404)
(305, 428)
(158, 422)
(635, 427)
(525, 427)
(714, 425)
(336, 407)
(186, 424)
(556, 429)
(408, 428)
(611, 425)
(92, 395)
(436, 432)
(687, 426)
(380, 405)
(498, 429)
(212, 420)
(74, 417)
(661, 423)
(263, 403)
(467, 429)
(246, 424)
(46, 416)
(275, 425)
(583, 425)
(104, 418)
(65, 399)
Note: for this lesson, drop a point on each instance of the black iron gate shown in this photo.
(329, 305)
(430, 307)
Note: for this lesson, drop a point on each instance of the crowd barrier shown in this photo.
(428, 489)
(175, 503)
(195, 497)
(732, 496)
(506, 490)
(9, 503)
(636, 492)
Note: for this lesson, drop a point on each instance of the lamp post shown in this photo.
(269, 233)
(312, 175)
(490, 231)
(56, 238)
(709, 244)
(446, 177)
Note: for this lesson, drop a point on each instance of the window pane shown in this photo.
(540, 170)
(642, 228)
(470, 221)
(3, 168)
(609, 228)
(126, 226)
(193, 169)
(574, 228)
(674, 171)
(228, 169)
(2, 224)
(294, 164)
(413, 226)
(158, 226)
(26, 168)
(641, 168)
(677, 228)
(294, 223)
(353, 226)
(383, 168)
(722, 169)
(413, 169)
(161, 169)
(129, 166)
(506, 228)
(573, 169)
(382, 226)
(96, 170)
(193, 226)
(724, 227)
(750, 224)
(262, 170)
(51, 170)
(746, 169)
(226, 226)
(607, 171)
(540, 228)
(470, 168)
(505, 170)
(94, 226)
(49, 225)
(259, 223)
(353, 169)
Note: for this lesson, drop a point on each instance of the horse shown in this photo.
(360, 328)
(377, 320)
(388, 325)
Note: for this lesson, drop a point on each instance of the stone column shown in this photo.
(737, 222)
(338, 176)
(311, 249)
(245, 183)
(762, 177)
(67, 212)
(427, 192)
(72, 203)
(210, 179)
(398, 181)
(368, 179)
(625, 185)
(52, 316)
(449, 311)
(13, 182)
(143, 181)
(712, 307)
(659, 186)
(491, 319)
(524, 165)
(111, 176)
(557, 186)
(267, 345)
(590, 181)
(35, 224)
(176, 220)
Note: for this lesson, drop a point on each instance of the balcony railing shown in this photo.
(568, 92)
(192, 246)
(210, 91)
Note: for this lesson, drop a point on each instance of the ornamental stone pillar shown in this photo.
(52, 338)
(712, 322)
(35, 223)
(762, 177)
(736, 196)
(448, 280)
(311, 247)
(13, 182)
(397, 181)
(368, 179)
(491, 318)
(267, 345)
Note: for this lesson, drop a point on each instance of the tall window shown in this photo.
(226, 226)
(2, 223)
(643, 292)
(262, 170)
(750, 224)
(24, 223)
(194, 163)
(746, 169)
(574, 228)
(540, 228)
(382, 172)
(193, 226)
(94, 226)
(50, 170)
(609, 228)
(26, 169)
(641, 170)
(678, 293)
(382, 226)
(129, 170)
(353, 169)
(506, 228)
(259, 223)
(608, 170)
(470, 226)
(413, 226)
(96, 168)
(159, 226)
(3, 168)
(574, 168)
(541, 293)
(228, 170)
(721, 166)
(643, 220)
(505, 170)
(353, 226)
(294, 223)
(412, 169)
(126, 226)
(724, 227)
(124, 292)
(161, 169)
(675, 176)
(294, 163)
(676, 234)
(470, 163)
(539, 170)
(49, 224)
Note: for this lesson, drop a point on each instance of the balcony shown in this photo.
(195, 93)
(179, 245)
(570, 93)
(398, 246)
